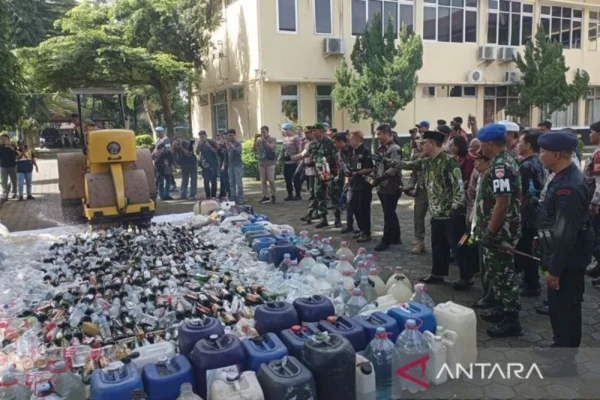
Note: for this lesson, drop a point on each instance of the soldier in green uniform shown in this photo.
(498, 204)
(325, 155)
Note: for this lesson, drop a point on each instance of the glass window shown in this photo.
(390, 13)
(324, 90)
(495, 100)
(323, 21)
(470, 91)
(219, 113)
(290, 104)
(286, 19)
(593, 31)
(237, 94)
(566, 117)
(592, 106)
(455, 91)
(359, 16)
(564, 26)
(289, 90)
(396, 10)
(450, 20)
(324, 104)
(428, 91)
(511, 25)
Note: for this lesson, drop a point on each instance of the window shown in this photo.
(428, 92)
(237, 94)
(494, 102)
(219, 114)
(450, 21)
(594, 24)
(289, 103)
(203, 100)
(323, 17)
(287, 17)
(462, 91)
(592, 106)
(399, 11)
(510, 23)
(324, 104)
(566, 117)
(563, 24)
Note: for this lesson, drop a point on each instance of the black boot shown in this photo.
(543, 309)
(322, 224)
(289, 197)
(593, 270)
(487, 301)
(338, 223)
(495, 314)
(509, 326)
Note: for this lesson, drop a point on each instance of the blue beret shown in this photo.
(287, 126)
(558, 141)
(491, 132)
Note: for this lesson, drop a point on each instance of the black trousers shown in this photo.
(441, 245)
(350, 211)
(292, 181)
(361, 208)
(565, 310)
(224, 184)
(210, 182)
(527, 266)
(391, 225)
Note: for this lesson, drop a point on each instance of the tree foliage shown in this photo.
(384, 75)
(32, 21)
(11, 105)
(543, 79)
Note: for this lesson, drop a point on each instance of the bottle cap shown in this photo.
(332, 319)
(356, 291)
(366, 368)
(344, 244)
(411, 324)
(362, 250)
(213, 337)
(373, 271)
(296, 329)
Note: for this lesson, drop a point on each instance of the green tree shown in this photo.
(11, 104)
(543, 79)
(32, 21)
(384, 77)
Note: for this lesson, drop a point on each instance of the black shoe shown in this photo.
(337, 223)
(430, 279)
(530, 292)
(509, 326)
(183, 198)
(30, 197)
(357, 235)
(305, 218)
(495, 314)
(4, 199)
(273, 199)
(167, 198)
(322, 224)
(20, 198)
(485, 302)
(542, 310)
(297, 198)
(559, 368)
(593, 271)
(382, 246)
(364, 238)
(347, 229)
(14, 196)
(462, 284)
(289, 198)
(265, 200)
(397, 241)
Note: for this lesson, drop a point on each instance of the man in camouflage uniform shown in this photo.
(325, 156)
(498, 204)
(445, 190)
(416, 189)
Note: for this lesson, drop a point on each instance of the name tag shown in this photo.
(358, 166)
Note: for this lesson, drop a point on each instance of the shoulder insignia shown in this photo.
(499, 171)
(564, 192)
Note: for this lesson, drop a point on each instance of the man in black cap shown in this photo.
(565, 241)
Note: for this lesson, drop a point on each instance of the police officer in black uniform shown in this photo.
(565, 240)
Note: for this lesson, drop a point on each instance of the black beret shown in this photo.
(558, 141)
(434, 135)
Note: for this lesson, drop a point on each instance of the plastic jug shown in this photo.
(216, 355)
(193, 330)
(344, 250)
(366, 388)
(236, 387)
(10, 388)
(163, 380)
(262, 349)
(381, 352)
(275, 316)
(333, 276)
(421, 296)
(307, 260)
(411, 347)
(380, 288)
(286, 379)
(67, 385)
(252, 227)
(453, 350)
(376, 320)
(251, 236)
(295, 337)
(281, 248)
(117, 382)
(422, 314)
(322, 287)
(331, 359)
(187, 393)
(313, 308)
(152, 353)
(262, 243)
(437, 358)
(348, 328)
(208, 206)
(398, 274)
(386, 302)
(463, 321)
(319, 267)
(400, 289)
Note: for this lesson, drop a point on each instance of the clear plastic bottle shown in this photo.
(371, 262)
(294, 268)
(68, 385)
(285, 263)
(356, 303)
(307, 260)
(307, 277)
(333, 275)
(398, 273)
(340, 291)
(380, 288)
(315, 242)
(381, 353)
(327, 249)
(43, 390)
(344, 266)
(10, 388)
(319, 267)
(366, 289)
(361, 270)
(344, 250)
(421, 296)
(323, 287)
(360, 256)
(410, 346)
(302, 239)
(187, 393)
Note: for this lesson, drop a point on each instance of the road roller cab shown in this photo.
(111, 181)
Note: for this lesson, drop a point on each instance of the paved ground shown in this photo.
(45, 212)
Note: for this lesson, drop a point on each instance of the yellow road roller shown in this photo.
(110, 181)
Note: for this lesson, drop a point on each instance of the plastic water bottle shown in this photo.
(380, 289)
(355, 303)
(68, 385)
(294, 268)
(361, 270)
(307, 260)
(360, 256)
(319, 267)
(327, 248)
(347, 271)
(381, 353)
(366, 289)
(323, 287)
(420, 296)
(340, 291)
(307, 277)
(43, 390)
(187, 393)
(398, 274)
(285, 263)
(371, 262)
(344, 250)
(333, 275)
(410, 346)
(302, 239)
(315, 243)
(10, 388)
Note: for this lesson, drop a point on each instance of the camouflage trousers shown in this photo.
(326, 191)
(500, 270)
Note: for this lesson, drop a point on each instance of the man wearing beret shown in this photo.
(445, 191)
(498, 206)
(325, 154)
(566, 242)
(289, 148)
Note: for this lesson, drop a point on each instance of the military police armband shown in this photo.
(501, 180)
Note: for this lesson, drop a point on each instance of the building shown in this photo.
(274, 60)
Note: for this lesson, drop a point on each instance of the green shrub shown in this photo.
(144, 141)
(406, 151)
(250, 161)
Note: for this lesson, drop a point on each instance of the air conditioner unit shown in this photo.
(507, 54)
(512, 77)
(487, 53)
(582, 71)
(475, 76)
(334, 47)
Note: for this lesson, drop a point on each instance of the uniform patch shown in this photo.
(499, 172)
(564, 192)
(501, 185)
